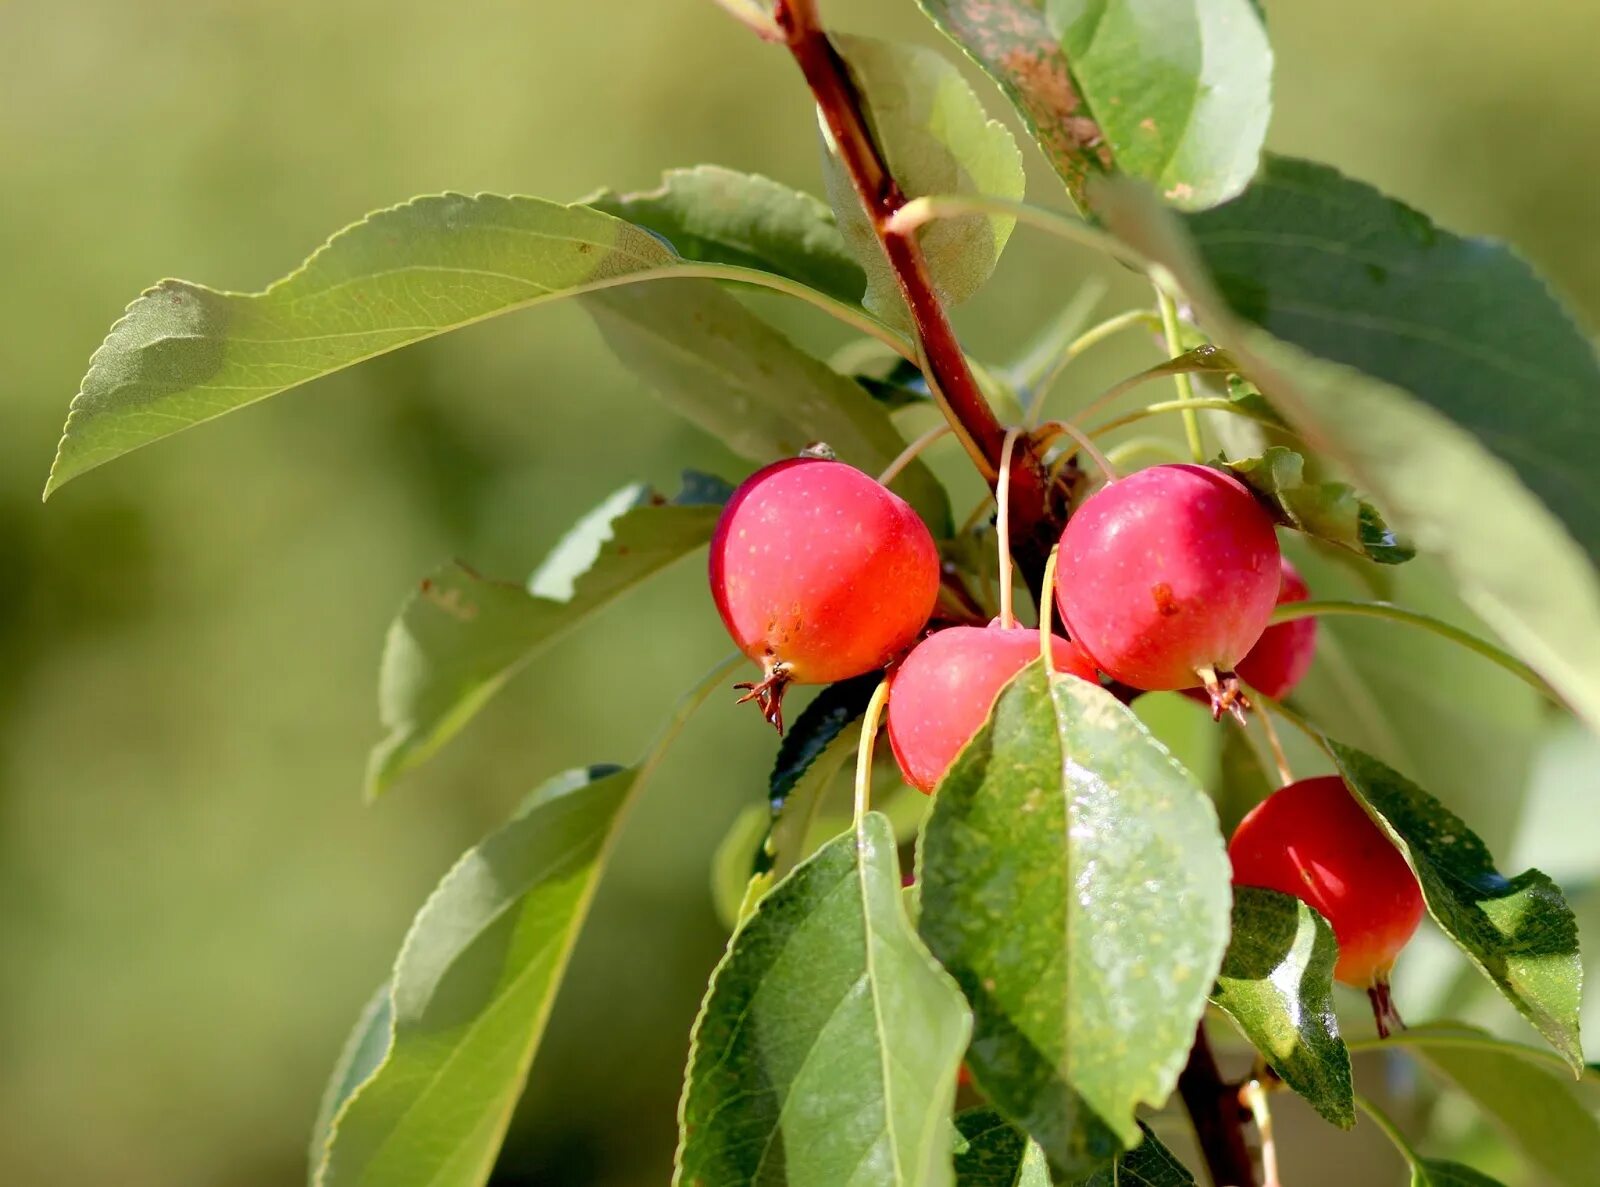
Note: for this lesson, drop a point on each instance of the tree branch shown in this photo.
(1037, 509)
(1218, 1117)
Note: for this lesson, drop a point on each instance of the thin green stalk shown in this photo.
(1466, 1042)
(1187, 407)
(1155, 447)
(848, 314)
(1042, 356)
(1186, 396)
(1064, 226)
(1093, 336)
(1390, 1129)
(1289, 611)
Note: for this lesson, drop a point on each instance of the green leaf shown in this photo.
(1519, 932)
(1541, 1110)
(727, 370)
(183, 353)
(834, 710)
(1074, 883)
(460, 637)
(1149, 1164)
(1276, 984)
(1327, 510)
(997, 1153)
(721, 216)
(936, 139)
(827, 1048)
(1428, 368)
(363, 1053)
(1436, 1172)
(1173, 92)
(737, 855)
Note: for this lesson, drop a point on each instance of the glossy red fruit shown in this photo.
(1166, 574)
(941, 693)
(1284, 652)
(1312, 840)
(820, 574)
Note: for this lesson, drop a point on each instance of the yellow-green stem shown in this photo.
(1180, 380)
(869, 737)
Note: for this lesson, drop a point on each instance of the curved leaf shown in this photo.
(460, 636)
(936, 139)
(1519, 932)
(1149, 1164)
(1276, 984)
(1429, 368)
(826, 1051)
(1435, 1172)
(474, 982)
(1326, 510)
(1173, 92)
(1540, 1109)
(1074, 883)
(725, 217)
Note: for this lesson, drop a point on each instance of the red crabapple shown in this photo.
(941, 693)
(1167, 575)
(820, 574)
(1281, 656)
(1312, 840)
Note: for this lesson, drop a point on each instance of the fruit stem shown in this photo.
(1213, 1107)
(1289, 611)
(1054, 428)
(1186, 396)
(1093, 336)
(1047, 603)
(1279, 756)
(1042, 359)
(910, 452)
(1002, 497)
(1199, 404)
(1155, 447)
(869, 736)
(1254, 1097)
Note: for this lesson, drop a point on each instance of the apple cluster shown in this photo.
(1166, 580)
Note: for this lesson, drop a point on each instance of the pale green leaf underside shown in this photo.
(184, 354)
(826, 1051)
(1541, 1109)
(471, 992)
(1519, 931)
(460, 637)
(1515, 562)
(936, 139)
(1276, 984)
(1173, 92)
(1074, 882)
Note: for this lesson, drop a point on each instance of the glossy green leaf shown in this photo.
(1327, 510)
(1539, 1107)
(1174, 92)
(936, 139)
(474, 982)
(722, 216)
(730, 372)
(997, 1153)
(183, 353)
(1276, 984)
(1437, 372)
(1074, 882)
(460, 637)
(1149, 1164)
(1519, 932)
(826, 1051)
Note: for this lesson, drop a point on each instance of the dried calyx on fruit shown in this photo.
(1169, 575)
(1283, 654)
(942, 692)
(1312, 840)
(820, 574)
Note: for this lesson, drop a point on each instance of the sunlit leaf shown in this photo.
(1329, 511)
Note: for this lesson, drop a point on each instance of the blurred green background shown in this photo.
(194, 902)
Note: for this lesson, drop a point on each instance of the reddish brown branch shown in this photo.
(1218, 1117)
(1035, 514)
